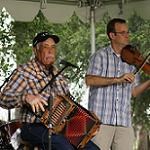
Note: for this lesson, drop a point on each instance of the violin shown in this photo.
(132, 56)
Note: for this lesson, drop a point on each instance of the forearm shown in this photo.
(141, 88)
(92, 80)
(12, 94)
(11, 101)
(100, 81)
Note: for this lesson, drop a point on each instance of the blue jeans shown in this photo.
(37, 135)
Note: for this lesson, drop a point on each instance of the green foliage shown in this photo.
(75, 43)
(140, 31)
(101, 34)
(75, 47)
(6, 43)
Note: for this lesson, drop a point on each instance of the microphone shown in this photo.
(68, 64)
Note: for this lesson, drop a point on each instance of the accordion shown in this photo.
(72, 120)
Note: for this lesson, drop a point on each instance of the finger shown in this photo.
(44, 102)
(41, 106)
(127, 79)
(130, 79)
(33, 108)
(37, 107)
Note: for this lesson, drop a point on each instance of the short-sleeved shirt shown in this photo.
(31, 78)
(111, 103)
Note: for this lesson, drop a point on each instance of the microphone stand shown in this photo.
(50, 103)
(53, 78)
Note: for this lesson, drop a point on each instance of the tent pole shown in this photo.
(92, 23)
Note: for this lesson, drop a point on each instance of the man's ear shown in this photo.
(112, 35)
(35, 51)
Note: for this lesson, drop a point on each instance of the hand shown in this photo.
(126, 78)
(36, 102)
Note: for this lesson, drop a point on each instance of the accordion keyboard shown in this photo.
(58, 114)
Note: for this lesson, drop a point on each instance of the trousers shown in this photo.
(115, 138)
(37, 135)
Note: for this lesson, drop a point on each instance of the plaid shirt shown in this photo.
(111, 103)
(30, 78)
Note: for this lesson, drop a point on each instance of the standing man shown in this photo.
(112, 84)
(23, 90)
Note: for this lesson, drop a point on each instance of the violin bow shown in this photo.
(144, 62)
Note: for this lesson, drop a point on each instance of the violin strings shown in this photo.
(144, 62)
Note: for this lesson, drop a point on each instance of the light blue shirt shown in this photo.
(111, 103)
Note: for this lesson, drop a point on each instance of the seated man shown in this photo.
(24, 90)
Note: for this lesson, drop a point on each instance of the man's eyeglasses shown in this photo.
(122, 33)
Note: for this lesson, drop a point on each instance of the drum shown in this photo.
(9, 132)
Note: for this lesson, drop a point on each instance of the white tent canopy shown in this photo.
(59, 11)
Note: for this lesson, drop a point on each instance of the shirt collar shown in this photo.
(41, 68)
(111, 50)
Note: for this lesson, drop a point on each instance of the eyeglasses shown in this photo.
(123, 33)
